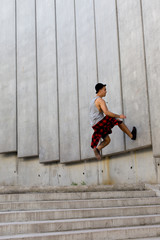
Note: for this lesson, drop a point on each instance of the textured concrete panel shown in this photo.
(8, 169)
(157, 165)
(47, 82)
(76, 174)
(31, 173)
(133, 167)
(151, 19)
(87, 72)
(26, 78)
(7, 77)
(134, 85)
(108, 65)
(67, 82)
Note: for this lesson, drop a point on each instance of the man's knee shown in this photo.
(107, 139)
(120, 123)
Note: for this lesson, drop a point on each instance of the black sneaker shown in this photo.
(134, 133)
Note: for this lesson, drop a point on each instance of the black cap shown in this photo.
(99, 86)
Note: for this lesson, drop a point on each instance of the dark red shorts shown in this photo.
(102, 129)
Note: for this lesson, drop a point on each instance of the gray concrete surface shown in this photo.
(47, 82)
(151, 20)
(67, 82)
(102, 234)
(72, 189)
(123, 218)
(76, 224)
(8, 171)
(118, 45)
(26, 79)
(77, 204)
(49, 214)
(87, 70)
(69, 194)
(158, 169)
(129, 168)
(108, 65)
(7, 77)
(134, 85)
(150, 238)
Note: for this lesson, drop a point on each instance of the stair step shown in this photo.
(150, 238)
(94, 234)
(79, 213)
(77, 224)
(74, 195)
(41, 215)
(94, 203)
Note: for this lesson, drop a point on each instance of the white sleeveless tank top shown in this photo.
(95, 115)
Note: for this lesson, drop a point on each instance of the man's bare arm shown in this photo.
(105, 110)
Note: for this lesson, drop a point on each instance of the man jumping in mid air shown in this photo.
(102, 121)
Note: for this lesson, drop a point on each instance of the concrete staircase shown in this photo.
(80, 213)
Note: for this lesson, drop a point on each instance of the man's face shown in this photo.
(103, 91)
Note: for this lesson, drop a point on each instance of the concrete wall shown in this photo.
(53, 53)
(128, 168)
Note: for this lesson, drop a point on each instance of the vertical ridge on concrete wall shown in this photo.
(133, 72)
(26, 79)
(120, 73)
(87, 73)
(37, 99)
(7, 77)
(108, 65)
(95, 26)
(57, 77)
(47, 82)
(77, 80)
(151, 21)
(67, 82)
(53, 52)
(149, 111)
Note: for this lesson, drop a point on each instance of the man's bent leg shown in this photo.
(105, 142)
(132, 134)
(97, 153)
(125, 129)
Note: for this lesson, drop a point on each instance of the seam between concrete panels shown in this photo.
(96, 50)
(120, 73)
(75, 23)
(17, 161)
(16, 74)
(57, 77)
(97, 69)
(37, 77)
(95, 31)
(145, 65)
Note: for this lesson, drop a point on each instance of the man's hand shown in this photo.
(122, 116)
